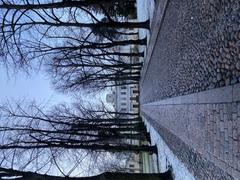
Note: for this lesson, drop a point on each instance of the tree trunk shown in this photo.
(10, 173)
(91, 147)
(56, 5)
(123, 25)
(116, 43)
(93, 45)
(141, 54)
(135, 176)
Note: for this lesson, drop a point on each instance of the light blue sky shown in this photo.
(37, 87)
(30, 87)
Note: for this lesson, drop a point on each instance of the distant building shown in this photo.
(124, 98)
(133, 164)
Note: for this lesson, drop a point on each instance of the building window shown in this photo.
(123, 87)
(135, 105)
(124, 98)
(123, 92)
(135, 91)
(123, 104)
(131, 165)
(131, 170)
(123, 109)
(131, 108)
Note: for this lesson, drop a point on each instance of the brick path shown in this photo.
(210, 129)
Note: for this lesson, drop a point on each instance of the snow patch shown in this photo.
(145, 10)
(167, 159)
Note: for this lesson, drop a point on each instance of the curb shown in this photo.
(156, 26)
(227, 94)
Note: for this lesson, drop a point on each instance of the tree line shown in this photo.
(57, 34)
(81, 44)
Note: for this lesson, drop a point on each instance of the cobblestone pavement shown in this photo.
(197, 48)
(206, 137)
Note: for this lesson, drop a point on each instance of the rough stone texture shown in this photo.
(206, 137)
(166, 158)
(196, 164)
(198, 48)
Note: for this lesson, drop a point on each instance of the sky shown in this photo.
(36, 86)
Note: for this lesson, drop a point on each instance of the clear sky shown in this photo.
(36, 86)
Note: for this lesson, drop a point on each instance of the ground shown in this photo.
(197, 48)
(194, 47)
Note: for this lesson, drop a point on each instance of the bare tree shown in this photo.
(22, 175)
(31, 136)
(34, 30)
(74, 74)
(62, 128)
(22, 5)
(56, 34)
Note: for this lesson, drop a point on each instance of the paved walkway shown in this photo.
(167, 158)
(194, 47)
(208, 122)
